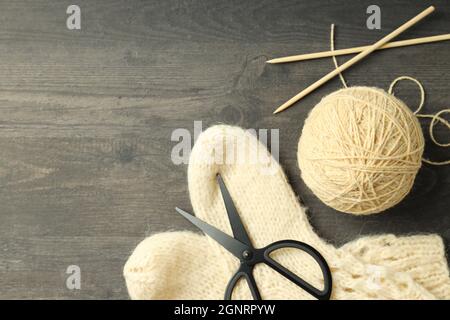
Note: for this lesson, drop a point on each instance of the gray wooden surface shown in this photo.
(86, 119)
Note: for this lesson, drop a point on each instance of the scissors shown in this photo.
(241, 247)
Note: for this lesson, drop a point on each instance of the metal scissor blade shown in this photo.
(237, 226)
(232, 245)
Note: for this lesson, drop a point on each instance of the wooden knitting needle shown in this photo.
(355, 59)
(341, 52)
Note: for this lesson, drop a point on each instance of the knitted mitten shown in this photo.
(187, 265)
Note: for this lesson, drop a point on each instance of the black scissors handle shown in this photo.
(323, 294)
(244, 272)
(263, 256)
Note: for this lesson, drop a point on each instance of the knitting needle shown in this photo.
(341, 52)
(355, 59)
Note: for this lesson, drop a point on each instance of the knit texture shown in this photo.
(188, 265)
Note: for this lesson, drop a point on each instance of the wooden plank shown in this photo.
(86, 119)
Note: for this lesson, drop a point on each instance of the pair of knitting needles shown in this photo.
(363, 52)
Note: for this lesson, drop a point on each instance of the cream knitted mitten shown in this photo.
(187, 265)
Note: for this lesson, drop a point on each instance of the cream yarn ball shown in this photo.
(360, 150)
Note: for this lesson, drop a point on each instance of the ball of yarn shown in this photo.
(360, 150)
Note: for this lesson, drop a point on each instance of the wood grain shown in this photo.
(86, 120)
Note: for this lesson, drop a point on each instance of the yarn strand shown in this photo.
(336, 65)
(435, 118)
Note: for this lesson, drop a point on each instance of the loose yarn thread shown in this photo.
(336, 65)
(435, 118)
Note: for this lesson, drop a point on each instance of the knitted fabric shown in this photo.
(188, 265)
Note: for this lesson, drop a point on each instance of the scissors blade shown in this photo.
(232, 245)
(238, 228)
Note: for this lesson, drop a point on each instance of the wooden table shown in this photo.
(87, 116)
